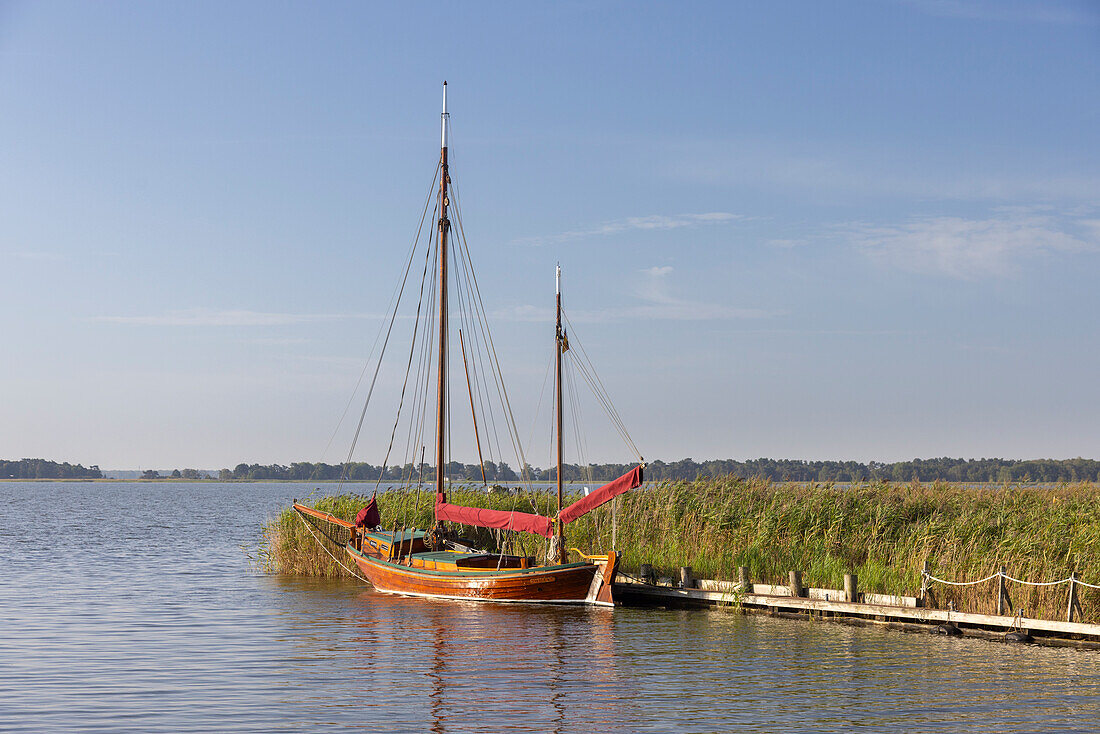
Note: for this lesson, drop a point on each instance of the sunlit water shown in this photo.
(132, 607)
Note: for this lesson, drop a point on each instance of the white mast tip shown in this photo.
(443, 122)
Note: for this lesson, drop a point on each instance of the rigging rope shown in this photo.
(385, 343)
(421, 386)
(588, 371)
(408, 366)
(412, 253)
(494, 360)
(326, 550)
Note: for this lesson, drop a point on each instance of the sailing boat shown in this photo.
(432, 563)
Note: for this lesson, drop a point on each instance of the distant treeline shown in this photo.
(790, 470)
(924, 470)
(176, 474)
(780, 470)
(360, 471)
(43, 469)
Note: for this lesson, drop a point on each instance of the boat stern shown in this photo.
(599, 592)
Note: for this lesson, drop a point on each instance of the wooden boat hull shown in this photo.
(572, 583)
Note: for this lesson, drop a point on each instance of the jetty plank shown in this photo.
(719, 593)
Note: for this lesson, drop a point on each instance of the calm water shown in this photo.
(133, 607)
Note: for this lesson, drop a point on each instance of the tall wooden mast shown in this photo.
(559, 337)
(441, 396)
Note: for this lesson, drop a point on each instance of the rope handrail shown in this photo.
(930, 577)
(1036, 583)
(1006, 577)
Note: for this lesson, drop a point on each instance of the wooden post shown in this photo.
(686, 580)
(796, 583)
(743, 579)
(614, 522)
(851, 588)
(928, 596)
(1002, 593)
(924, 584)
(1072, 604)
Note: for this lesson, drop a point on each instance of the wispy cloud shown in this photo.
(39, 256)
(1019, 11)
(646, 223)
(842, 171)
(275, 341)
(656, 302)
(215, 317)
(975, 248)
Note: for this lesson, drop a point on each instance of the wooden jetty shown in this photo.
(850, 606)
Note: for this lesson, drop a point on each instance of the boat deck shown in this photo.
(407, 548)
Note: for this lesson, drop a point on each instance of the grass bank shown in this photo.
(882, 531)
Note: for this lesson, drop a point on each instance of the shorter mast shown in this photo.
(559, 336)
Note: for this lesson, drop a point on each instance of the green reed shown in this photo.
(882, 531)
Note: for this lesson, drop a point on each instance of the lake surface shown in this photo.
(133, 607)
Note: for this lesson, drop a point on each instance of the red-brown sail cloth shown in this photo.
(625, 483)
(368, 517)
(523, 521)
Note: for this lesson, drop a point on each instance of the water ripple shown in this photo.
(144, 615)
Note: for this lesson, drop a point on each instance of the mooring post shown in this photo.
(928, 594)
(1002, 593)
(796, 583)
(851, 588)
(743, 579)
(686, 580)
(1072, 596)
(614, 522)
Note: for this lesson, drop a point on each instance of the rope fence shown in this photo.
(1006, 577)
(1073, 606)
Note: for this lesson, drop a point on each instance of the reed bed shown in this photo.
(882, 531)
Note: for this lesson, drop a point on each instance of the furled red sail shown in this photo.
(625, 483)
(501, 519)
(369, 516)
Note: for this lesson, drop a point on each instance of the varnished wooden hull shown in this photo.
(567, 584)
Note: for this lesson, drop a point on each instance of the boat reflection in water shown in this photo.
(490, 666)
(409, 664)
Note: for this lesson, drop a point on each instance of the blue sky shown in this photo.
(851, 230)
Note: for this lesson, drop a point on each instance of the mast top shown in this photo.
(557, 281)
(445, 116)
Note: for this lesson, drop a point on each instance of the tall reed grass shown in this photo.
(882, 531)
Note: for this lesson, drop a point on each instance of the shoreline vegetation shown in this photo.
(882, 531)
(777, 470)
